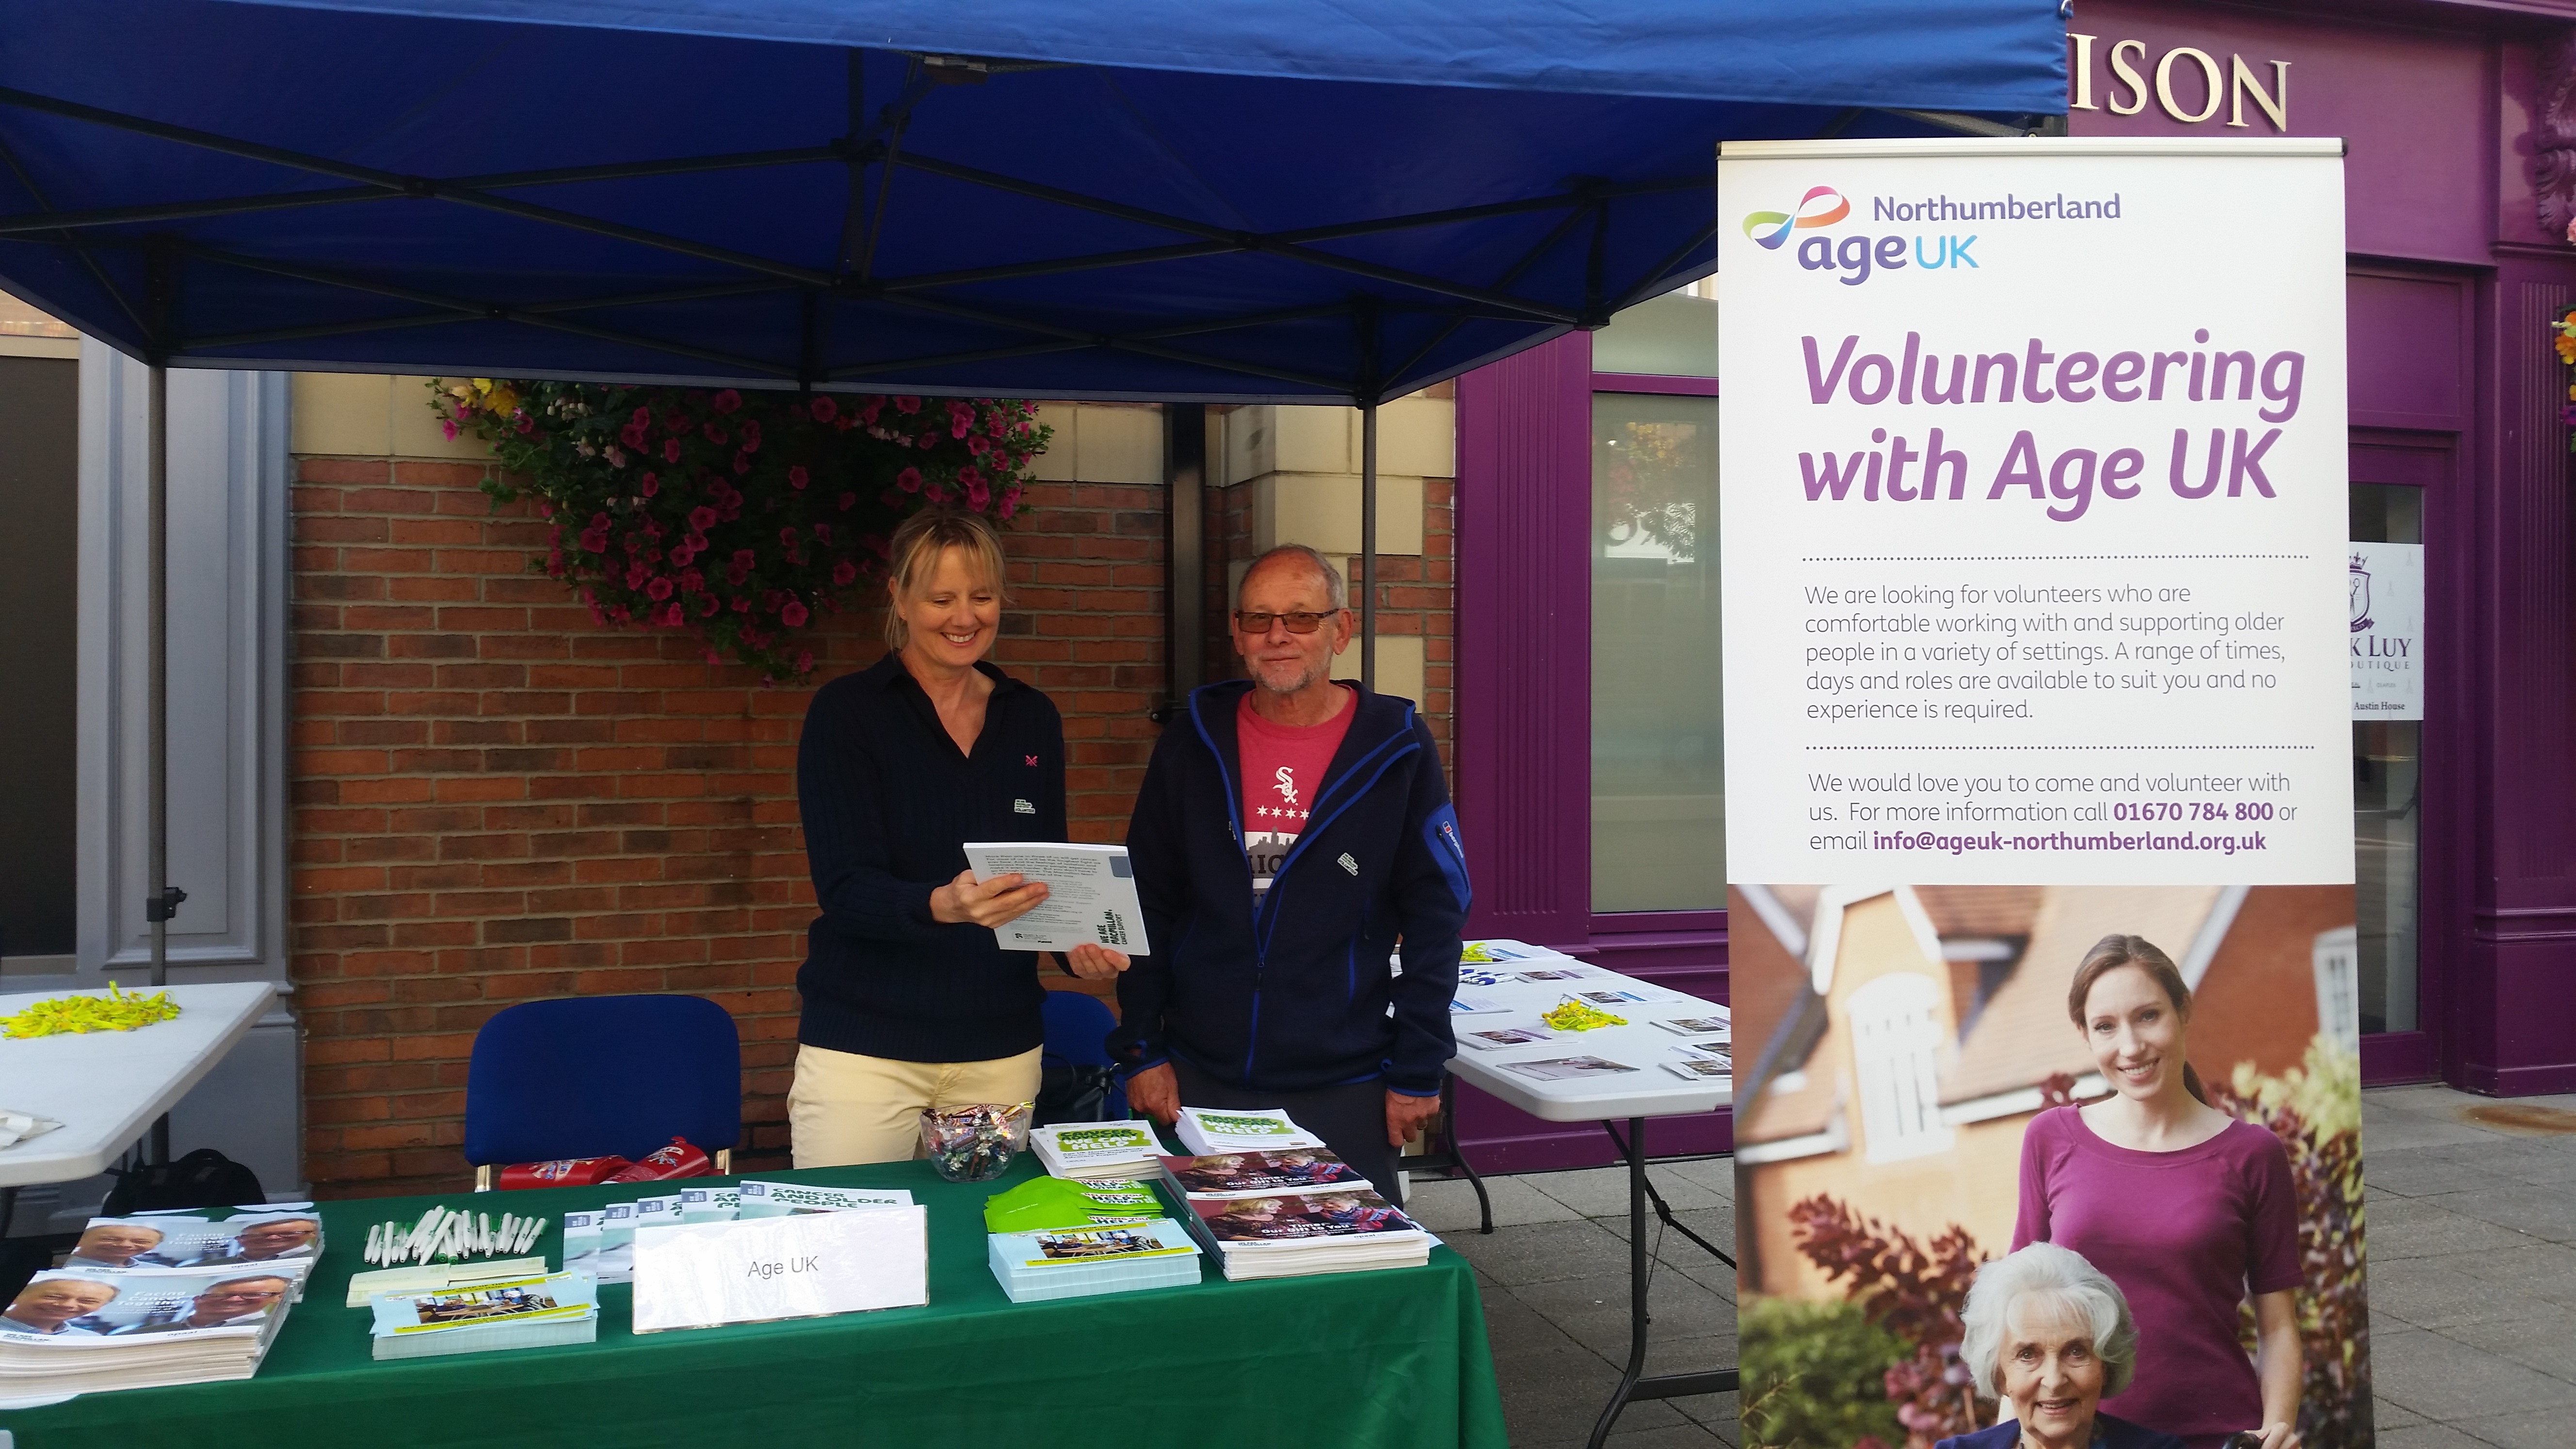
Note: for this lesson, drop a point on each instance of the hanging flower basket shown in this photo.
(743, 516)
(2565, 328)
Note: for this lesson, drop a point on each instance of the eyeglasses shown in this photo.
(1253, 621)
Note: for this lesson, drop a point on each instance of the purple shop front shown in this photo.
(1590, 776)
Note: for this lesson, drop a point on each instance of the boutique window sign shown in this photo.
(2185, 82)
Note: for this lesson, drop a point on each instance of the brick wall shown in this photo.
(495, 800)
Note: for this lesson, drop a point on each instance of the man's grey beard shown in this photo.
(1305, 680)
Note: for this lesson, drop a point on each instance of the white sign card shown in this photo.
(2035, 506)
(2386, 586)
(698, 1275)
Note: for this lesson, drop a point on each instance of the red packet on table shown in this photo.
(680, 1159)
(563, 1172)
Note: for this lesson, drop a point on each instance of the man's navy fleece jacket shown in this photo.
(1298, 996)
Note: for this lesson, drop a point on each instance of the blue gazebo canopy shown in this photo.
(1295, 200)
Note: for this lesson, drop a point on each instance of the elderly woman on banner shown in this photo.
(2189, 1210)
(2049, 1335)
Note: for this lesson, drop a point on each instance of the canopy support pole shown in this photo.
(1368, 544)
(1185, 441)
(156, 648)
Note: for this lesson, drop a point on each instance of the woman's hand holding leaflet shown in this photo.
(996, 902)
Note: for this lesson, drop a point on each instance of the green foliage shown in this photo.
(1814, 1376)
(2315, 1109)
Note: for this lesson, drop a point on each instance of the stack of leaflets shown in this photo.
(1204, 1131)
(1097, 1149)
(1288, 1214)
(1079, 1262)
(1060, 1202)
(89, 1329)
(538, 1312)
(278, 1232)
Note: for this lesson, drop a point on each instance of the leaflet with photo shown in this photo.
(1501, 1037)
(465, 1310)
(204, 1237)
(106, 1309)
(1091, 895)
(1701, 1070)
(1555, 974)
(1300, 1217)
(1477, 1006)
(1065, 1247)
(1716, 1026)
(1251, 1174)
(1559, 1069)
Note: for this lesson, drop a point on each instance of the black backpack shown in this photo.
(203, 1178)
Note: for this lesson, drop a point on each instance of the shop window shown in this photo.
(1895, 1024)
(2336, 958)
(2387, 775)
(1658, 759)
(1674, 335)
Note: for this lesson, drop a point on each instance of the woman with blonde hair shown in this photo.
(2189, 1210)
(910, 1002)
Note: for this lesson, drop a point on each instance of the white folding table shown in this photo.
(1650, 1089)
(107, 1088)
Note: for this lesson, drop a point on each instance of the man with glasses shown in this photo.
(1292, 830)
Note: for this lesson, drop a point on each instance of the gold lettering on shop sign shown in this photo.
(2232, 87)
(2208, 69)
(2137, 83)
(2277, 107)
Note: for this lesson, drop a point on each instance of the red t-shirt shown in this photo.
(1283, 766)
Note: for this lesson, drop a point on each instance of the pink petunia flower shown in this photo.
(659, 588)
(794, 615)
(843, 573)
(670, 450)
(849, 501)
(726, 401)
(650, 486)
(824, 409)
(907, 404)
(909, 480)
(796, 476)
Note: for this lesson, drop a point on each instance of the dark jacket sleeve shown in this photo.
(843, 809)
(1155, 850)
(1431, 899)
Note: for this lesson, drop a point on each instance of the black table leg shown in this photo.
(1633, 1384)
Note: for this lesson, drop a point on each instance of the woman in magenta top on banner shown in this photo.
(2188, 1209)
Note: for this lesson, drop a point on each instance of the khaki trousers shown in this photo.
(846, 1109)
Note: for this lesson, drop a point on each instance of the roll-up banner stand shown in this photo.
(2038, 699)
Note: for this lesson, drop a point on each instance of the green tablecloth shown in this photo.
(1389, 1358)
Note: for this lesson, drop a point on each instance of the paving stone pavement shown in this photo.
(2472, 1242)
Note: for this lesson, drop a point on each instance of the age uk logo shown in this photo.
(1808, 215)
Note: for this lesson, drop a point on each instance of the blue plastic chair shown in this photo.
(1077, 1035)
(592, 1076)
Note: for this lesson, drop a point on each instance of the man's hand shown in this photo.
(1156, 1093)
(1405, 1115)
(2280, 1436)
(996, 902)
(1095, 963)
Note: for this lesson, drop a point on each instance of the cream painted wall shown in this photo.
(1303, 464)
(364, 415)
